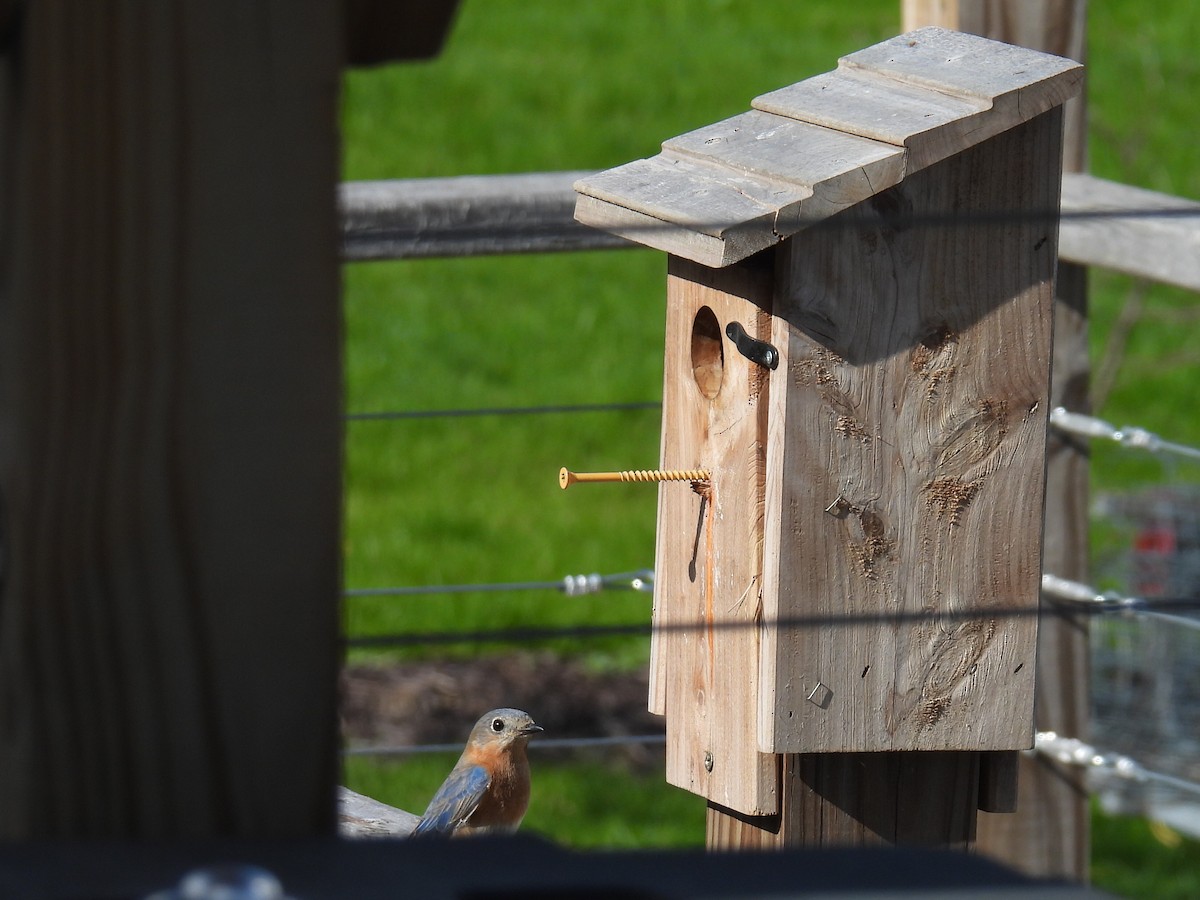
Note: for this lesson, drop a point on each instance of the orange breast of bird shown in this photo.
(507, 797)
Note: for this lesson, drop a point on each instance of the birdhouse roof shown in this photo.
(803, 153)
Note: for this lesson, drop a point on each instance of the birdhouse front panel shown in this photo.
(708, 559)
(906, 461)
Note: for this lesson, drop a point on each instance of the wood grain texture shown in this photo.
(1049, 834)
(1019, 83)
(831, 168)
(905, 466)
(169, 420)
(861, 800)
(732, 189)
(884, 92)
(708, 558)
(893, 111)
(1050, 26)
(1158, 248)
(708, 215)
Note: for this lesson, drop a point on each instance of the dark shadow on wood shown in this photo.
(874, 303)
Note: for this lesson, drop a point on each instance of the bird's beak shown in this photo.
(531, 728)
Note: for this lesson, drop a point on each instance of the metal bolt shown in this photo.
(708, 761)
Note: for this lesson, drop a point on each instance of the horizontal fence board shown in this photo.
(482, 215)
(473, 215)
(1163, 248)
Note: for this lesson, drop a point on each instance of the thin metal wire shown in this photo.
(1075, 752)
(532, 634)
(572, 585)
(387, 415)
(1070, 751)
(1061, 589)
(539, 744)
(452, 589)
(1130, 436)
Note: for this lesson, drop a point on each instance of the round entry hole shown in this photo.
(708, 353)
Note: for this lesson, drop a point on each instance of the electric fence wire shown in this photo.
(1075, 752)
(642, 581)
(577, 743)
(1066, 750)
(1063, 589)
(503, 411)
(571, 586)
(534, 634)
(580, 585)
(1130, 437)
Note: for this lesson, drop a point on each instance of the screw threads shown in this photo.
(665, 475)
(567, 478)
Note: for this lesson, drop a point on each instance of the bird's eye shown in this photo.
(497, 725)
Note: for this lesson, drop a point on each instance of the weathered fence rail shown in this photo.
(472, 215)
(1109, 225)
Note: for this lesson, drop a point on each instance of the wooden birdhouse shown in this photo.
(858, 347)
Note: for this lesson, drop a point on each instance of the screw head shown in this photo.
(708, 761)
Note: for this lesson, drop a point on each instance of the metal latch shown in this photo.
(753, 349)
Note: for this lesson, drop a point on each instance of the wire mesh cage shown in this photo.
(1145, 682)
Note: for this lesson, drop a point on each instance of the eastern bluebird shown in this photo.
(488, 788)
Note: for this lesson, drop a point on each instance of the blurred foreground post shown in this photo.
(169, 418)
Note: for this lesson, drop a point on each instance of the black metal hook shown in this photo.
(756, 351)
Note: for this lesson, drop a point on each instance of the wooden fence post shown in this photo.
(858, 350)
(1049, 833)
(170, 435)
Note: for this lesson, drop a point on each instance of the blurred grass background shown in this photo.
(541, 85)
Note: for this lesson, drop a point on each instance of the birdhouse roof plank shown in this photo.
(803, 153)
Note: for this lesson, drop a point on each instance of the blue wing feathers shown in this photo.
(454, 801)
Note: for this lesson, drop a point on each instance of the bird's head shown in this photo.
(504, 728)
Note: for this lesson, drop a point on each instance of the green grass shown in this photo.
(1134, 858)
(589, 805)
(533, 85)
(527, 87)
(585, 805)
(471, 500)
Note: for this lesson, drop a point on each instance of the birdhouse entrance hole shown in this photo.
(708, 353)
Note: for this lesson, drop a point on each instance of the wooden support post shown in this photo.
(170, 435)
(877, 485)
(860, 799)
(1049, 833)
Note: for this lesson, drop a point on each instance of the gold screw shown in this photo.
(567, 478)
